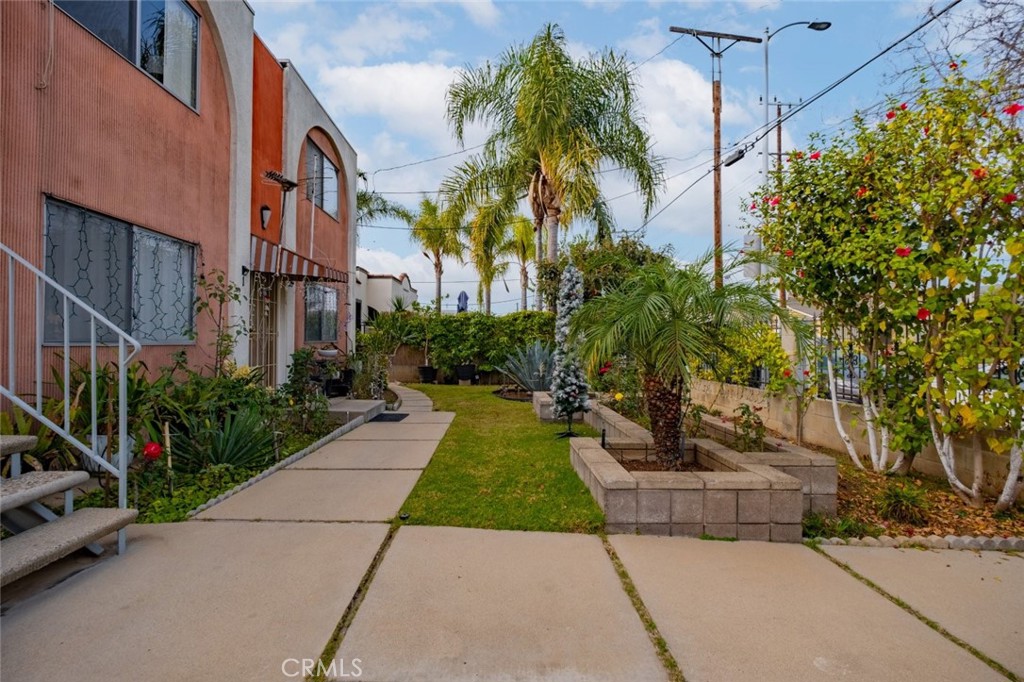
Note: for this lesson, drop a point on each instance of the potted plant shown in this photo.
(465, 371)
(428, 373)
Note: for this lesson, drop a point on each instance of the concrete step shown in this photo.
(36, 485)
(33, 549)
(10, 445)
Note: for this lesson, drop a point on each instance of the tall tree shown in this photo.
(437, 231)
(488, 242)
(520, 246)
(553, 122)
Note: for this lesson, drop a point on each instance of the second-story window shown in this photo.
(159, 36)
(321, 180)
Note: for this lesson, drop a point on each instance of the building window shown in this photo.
(159, 36)
(321, 313)
(321, 180)
(139, 280)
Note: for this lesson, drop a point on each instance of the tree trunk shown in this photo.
(487, 298)
(1014, 480)
(438, 270)
(832, 388)
(664, 406)
(944, 448)
(524, 282)
(551, 225)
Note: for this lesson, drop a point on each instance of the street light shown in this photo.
(812, 25)
(716, 50)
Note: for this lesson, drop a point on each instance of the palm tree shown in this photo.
(489, 241)
(554, 121)
(669, 319)
(437, 232)
(371, 206)
(520, 246)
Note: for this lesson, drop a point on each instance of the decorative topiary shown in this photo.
(569, 384)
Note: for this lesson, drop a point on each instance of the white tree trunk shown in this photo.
(551, 225)
(869, 423)
(947, 457)
(524, 282)
(1014, 480)
(878, 435)
(835, 413)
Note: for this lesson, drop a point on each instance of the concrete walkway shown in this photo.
(264, 580)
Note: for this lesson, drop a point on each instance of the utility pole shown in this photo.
(716, 50)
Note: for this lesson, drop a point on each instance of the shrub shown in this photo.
(826, 526)
(242, 441)
(903, 502)
(531, 367)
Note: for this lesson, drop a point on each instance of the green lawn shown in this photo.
(499, 467)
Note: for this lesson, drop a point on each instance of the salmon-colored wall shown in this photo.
(267, 139)
(105, 136)
(330, 236)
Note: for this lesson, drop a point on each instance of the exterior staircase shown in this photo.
(41, 536)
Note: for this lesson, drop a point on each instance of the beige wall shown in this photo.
(819, 429)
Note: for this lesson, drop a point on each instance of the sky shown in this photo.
(381, 70)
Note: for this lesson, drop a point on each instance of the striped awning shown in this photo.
(274, 259)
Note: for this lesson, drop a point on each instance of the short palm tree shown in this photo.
(438, 232)
(668, 319)
(553, 122)
(371, 206)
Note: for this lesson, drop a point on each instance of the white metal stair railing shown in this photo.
(40, 281)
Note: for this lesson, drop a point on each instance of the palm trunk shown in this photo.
(487, 298)
(538, 227)
(551, 225)
(524, 282)
(438, 270)
(664, 406)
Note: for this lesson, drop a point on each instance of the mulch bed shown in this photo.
(945, 514)
(640, 465)
(516, 394)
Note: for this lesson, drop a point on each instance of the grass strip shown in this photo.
(660, 645)
(334, 643)
(498, 467)
(995, 665)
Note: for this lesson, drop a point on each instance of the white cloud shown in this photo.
(378, 32)
(483, 13)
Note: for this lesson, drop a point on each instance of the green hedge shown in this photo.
(469, 338)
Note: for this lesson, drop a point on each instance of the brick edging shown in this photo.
(971, 542)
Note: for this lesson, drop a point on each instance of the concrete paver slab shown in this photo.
(193, 601)
(313, 495)
(772, 611)
(397, 431)
(369, 454)
(467, 604)
(977, 596)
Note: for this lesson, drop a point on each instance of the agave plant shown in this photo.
(531, 367)
(242, 441)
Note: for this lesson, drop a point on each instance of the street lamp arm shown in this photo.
(795, 23)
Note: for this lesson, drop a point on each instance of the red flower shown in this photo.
(152, 451)
(953, 66)
(923, 314)
(753, 205)
(903, 251)
(774, 201)
(605, 368)
(1009, 198)
(926, 129)
(979, 173)
(861, 192)
(1014, 109)
(799, 273)
(891, 115)
(807, 372)
(789, 253)
(787, 373)
(815, 156)
(903, 107)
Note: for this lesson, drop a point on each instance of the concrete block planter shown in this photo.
(746, 495)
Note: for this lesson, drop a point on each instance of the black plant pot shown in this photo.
(465, 372)
(428, 374)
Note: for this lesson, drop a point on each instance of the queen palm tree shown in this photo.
(670, 319)
(488, 242)
(437, 231)
(520, 246)
(553, 122)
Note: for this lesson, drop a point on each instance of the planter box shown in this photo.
(543, 406)
(749, 495)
